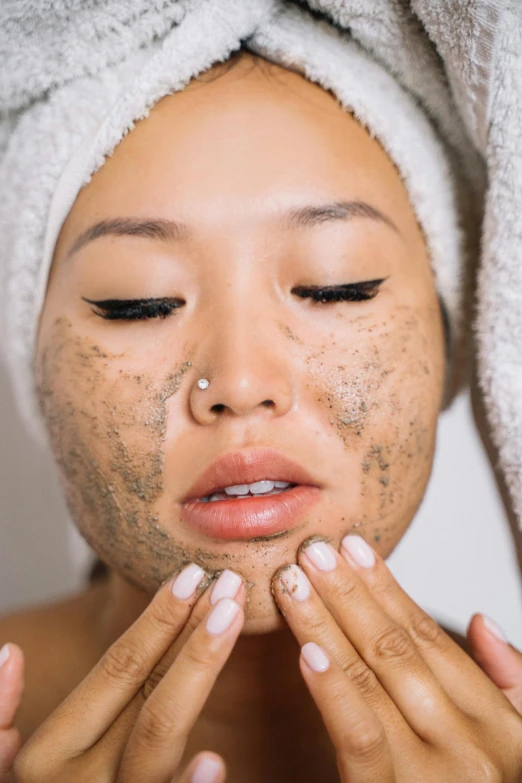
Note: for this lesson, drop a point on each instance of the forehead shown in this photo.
(244, 139)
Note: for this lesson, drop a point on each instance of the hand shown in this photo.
(498, 659)
(401, 701)
(129, 719)
(11, 690)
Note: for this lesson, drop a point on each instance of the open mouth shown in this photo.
(257, 489)
(250, 494)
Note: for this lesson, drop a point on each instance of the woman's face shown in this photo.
(226, 203)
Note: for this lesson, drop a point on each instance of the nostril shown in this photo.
(218, 407)
(268, 403)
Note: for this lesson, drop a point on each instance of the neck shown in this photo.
(259, 715)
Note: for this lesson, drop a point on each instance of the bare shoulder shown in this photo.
(54, 638)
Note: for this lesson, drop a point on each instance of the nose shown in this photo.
(246, 369)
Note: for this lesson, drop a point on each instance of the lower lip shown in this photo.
(250, 517)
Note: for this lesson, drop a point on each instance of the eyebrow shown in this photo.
(173, 230)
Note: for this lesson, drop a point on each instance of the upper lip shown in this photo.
(246, 467)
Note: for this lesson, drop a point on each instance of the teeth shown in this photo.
(237, 489)
(259, 487)
(264, 487)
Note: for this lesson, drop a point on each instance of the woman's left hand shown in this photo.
(402, 702)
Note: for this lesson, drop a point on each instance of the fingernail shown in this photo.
(315, 657)
(221, 616)
(322, 555)
(358, 550)
(227, 585)
(207, 771)
(5, 652)
(186, 583)
(296, 583)
(490, 624)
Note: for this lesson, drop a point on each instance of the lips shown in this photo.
(249, 517)
(246, 468)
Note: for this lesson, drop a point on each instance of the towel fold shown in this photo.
(437, 82)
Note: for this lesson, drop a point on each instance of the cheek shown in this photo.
(381, 391)
(107, 427)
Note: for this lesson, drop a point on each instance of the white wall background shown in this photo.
(458, 557)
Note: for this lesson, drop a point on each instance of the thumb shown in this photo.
(496, 657)
(11, 690)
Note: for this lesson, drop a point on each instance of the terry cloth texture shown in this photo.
(437, 82)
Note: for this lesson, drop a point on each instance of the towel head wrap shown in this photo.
(76, 76)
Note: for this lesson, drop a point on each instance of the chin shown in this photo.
(255, 626)
(262, 614)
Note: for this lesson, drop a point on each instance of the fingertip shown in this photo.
(315, 657)
(206, 767)
(12, 660)
(482, 627)
(494, 629)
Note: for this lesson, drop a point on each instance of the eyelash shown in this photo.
(143, 309)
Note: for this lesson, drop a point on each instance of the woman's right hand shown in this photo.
(129, 719)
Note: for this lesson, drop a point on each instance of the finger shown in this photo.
(309, 620)
(361, 745)
(204, 768)
(227, 585)
(11, 683)
(158, 739)
(10, 744)
(497, 658)
(383, 644)
(112, 744)
(79, 722)
(460, 677)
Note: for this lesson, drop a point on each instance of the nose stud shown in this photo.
(203, 383)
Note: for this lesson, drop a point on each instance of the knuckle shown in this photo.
(124, 663)
(365, 741)
(317, 627)
(424, 630)
(199, 659)
(156, 725)
(384, 584)
(394, 643)
(164, 615)
(154, 678)
(344, 591)
(362, 676)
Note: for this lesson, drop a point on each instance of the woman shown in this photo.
(241, 301)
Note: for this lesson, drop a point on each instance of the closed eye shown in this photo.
(350, 292)
(134, 309)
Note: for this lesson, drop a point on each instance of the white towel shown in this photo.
(438, 82)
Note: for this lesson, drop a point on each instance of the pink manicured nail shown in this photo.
(5, 652)
(227, 585)
(221, 616)
(186, 583)
(322, 556)
(296, 583)
(492, 627)
(359, 550)
(207, 771)
(315, 657)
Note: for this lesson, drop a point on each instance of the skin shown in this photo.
(354, 389)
